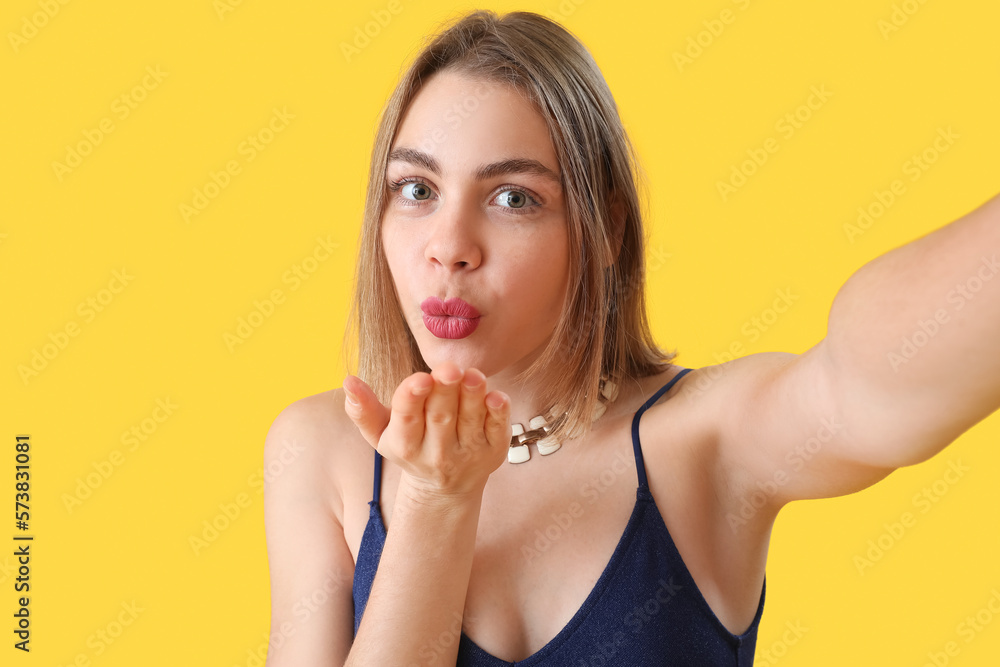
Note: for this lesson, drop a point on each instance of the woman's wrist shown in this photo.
(414, 495)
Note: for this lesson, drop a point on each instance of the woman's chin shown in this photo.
(440, 350)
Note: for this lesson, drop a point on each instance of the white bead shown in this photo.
(518, 454)
(547, 445)
(599, 409)
(516, 429)
(536, 422)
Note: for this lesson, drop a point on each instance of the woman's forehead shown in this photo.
(464, 123)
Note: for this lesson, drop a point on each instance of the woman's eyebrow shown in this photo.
(517, 165)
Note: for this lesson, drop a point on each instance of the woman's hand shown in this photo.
(443, 429)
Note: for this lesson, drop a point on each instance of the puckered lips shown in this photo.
(453, 318)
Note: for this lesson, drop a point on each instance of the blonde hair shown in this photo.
(603, 329)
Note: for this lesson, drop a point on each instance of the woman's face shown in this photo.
(476, 213)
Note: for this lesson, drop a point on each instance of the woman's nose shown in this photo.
(455, 241)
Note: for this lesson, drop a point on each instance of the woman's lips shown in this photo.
(453, 307)
(453, 318)
(444, 326)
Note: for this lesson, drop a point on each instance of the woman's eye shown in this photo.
(418, 191)
(513, 198)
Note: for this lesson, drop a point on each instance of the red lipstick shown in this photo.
(453, 318)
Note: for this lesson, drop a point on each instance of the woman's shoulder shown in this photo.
(697, 489)
(713, 390)
(315, 447)
(695, 439)
(690, 421)
(307, 550)
(678, 376)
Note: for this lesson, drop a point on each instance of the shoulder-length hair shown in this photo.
(603, 329)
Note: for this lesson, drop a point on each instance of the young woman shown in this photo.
(518, 474)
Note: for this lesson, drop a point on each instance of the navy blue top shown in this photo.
(645, 608)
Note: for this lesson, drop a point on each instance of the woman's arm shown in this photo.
(909, 363)
(419, 591)
(311, 568)
(447, 441)
(912, 340)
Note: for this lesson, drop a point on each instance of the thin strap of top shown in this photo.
(640, 467)
(378, 480)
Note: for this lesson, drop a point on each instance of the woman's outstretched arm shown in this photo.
(909, 363)
(912, 340)
(447, 439)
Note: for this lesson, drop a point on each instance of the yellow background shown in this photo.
(162, 336)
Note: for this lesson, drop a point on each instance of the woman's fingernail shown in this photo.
(495, 402)
(472, 381)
